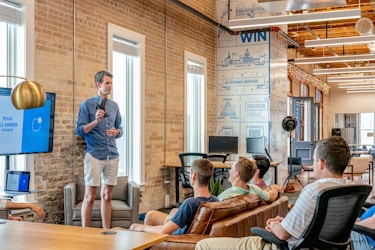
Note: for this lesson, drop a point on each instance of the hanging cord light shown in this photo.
(27, 94)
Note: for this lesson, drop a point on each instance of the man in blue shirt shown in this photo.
(99, 123)
(361, 241)
(200, 175)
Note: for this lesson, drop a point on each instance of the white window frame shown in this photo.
(202, 138)
(136, 145)
(25, 162)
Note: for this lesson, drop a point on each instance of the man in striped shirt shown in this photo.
(331, 157)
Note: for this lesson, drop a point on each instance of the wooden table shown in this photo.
(225, 165)
(21, 235)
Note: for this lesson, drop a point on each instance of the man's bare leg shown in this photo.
(87, 204)
(106, 205)
(157, 218)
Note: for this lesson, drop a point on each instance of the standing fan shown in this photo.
(289, 124)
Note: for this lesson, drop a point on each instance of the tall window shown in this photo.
(195, 102)
(126, 61)
(16, 27)
(304, 90)
(366, 128)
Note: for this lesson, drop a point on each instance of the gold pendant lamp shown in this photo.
(27, 94)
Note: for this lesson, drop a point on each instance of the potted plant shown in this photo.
(216, 186)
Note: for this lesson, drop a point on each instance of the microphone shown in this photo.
(101, 105)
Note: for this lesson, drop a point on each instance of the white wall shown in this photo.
(340, 102)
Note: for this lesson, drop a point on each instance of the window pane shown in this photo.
(12, 61)
(304, 90)
(366, 121)
(195, 121)
(195, 99)
(126, 55)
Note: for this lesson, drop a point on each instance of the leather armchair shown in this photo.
(125, 203)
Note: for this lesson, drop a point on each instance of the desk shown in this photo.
(227, 164)
(23, 235)
(10, 196)
(358, 152)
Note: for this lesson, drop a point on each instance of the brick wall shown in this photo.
(169, 30)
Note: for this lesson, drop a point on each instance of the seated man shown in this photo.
(7, 204)
(331, 156)
(263, 165)
(361, 241)
(155, 222)
(241, 172)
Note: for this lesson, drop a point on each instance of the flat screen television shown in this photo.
(223, 144)
(26, 131)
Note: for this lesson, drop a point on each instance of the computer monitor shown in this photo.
(223, 144)
(295, 165)
(255, 145)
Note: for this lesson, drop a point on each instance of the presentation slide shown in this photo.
(23, 131)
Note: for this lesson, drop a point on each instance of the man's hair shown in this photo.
(335, 152)
(100, 75)
(246, 168)
(263, 164)
(204, 170)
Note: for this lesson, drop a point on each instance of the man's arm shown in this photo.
(368, 222)
(118, 124)
(21, 205)
(98, 117)
(274, 226)
(167, 228)
(84, 125)
(274, 192)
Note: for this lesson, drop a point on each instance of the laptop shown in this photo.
(17, 182)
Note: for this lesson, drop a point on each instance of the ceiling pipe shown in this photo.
(285, 35)
(202, 16)
(231, 32)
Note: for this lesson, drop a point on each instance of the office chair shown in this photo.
(358, 166)
(336, 211)
(218, 172)
(186, 161)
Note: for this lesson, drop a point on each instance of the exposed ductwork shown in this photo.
(232, 32)
(365, 27)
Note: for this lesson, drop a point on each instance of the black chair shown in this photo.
(335, 213)
(218, 172)
(186, 161)
(217, 157)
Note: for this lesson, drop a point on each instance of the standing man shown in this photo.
(99, 123)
